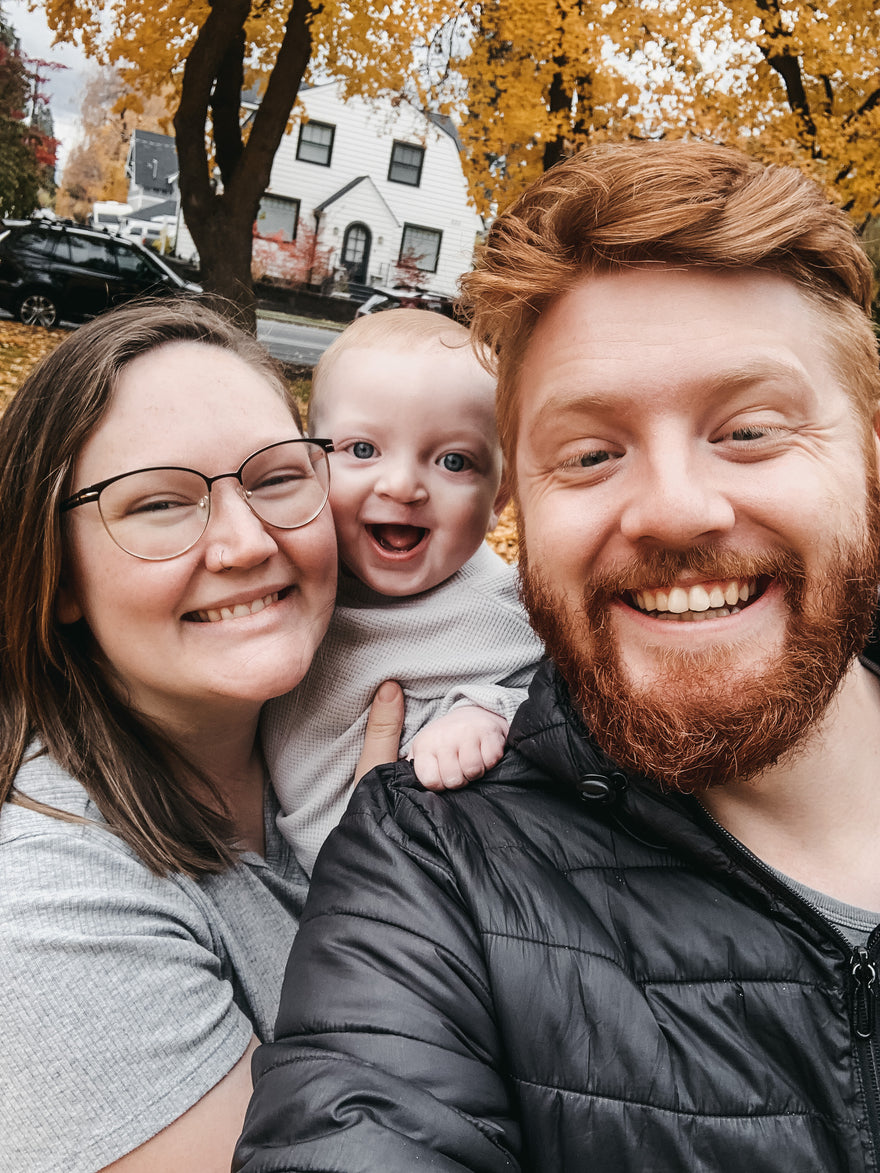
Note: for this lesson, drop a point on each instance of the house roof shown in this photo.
(347, 187)
(444, 122)
(340, 193)
(152, 162)
(252, 97)
(154, 211)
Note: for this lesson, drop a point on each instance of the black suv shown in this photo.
(53, 269)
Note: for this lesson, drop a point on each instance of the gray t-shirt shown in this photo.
(856, 924)
(124, 997)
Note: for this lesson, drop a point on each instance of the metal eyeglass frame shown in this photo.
(93, 492)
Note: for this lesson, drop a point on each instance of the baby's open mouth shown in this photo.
(714, 600)
(399, 539)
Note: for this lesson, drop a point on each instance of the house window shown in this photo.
(276, 215)
(420, 246)
(315, 143)
(406, 164)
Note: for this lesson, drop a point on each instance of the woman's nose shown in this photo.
(674, 501)
(236, 536)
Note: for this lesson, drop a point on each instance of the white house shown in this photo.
(378, 182)
(359, 186)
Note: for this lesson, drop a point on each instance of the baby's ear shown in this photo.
(501, 499)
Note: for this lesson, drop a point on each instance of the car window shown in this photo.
(62, 247)
(92, 253)
(132, 264)
(34, 240)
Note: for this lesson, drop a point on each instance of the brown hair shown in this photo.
(52, 688)
(400, 328)
(676, 203)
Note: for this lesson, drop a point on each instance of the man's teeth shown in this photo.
(721, 599)
(239, 611)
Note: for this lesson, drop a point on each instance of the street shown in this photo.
(288, 340)
(293, 342)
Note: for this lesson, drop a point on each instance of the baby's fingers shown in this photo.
(449, 767)
(491, 750)
(427, 769)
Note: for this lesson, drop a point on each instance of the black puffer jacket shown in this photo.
(510, 977)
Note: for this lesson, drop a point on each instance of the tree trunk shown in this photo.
(220, 209)
(224, 241)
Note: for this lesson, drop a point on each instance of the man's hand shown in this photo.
(384, 727)
(455, 749)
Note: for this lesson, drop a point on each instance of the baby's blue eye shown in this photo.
(454, 462)
(361, 450)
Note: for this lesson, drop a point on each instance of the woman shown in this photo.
(167, 566)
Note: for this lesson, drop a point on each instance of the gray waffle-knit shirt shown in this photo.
(124, 997)
(467, 641)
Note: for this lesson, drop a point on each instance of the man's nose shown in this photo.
(675, 499)
(401, 480)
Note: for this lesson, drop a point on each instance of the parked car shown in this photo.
(390, 299)
(53, 269)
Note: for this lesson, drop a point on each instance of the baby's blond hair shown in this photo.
(389, 329)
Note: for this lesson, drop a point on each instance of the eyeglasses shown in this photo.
(160, 513)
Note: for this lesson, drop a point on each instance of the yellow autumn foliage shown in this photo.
(529, 81)
(791, 81)
(371, 44)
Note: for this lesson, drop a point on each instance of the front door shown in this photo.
(356, 252)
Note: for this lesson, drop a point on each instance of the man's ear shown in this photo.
(501, 499)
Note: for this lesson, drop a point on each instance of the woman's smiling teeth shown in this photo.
(238, 611)
(710, 601)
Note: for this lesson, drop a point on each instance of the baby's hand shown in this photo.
(455, 749)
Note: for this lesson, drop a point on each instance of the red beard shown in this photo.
(712, 723)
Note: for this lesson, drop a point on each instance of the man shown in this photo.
(647, 941)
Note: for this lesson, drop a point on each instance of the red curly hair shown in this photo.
(672, 203)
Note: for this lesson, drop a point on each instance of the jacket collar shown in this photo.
(551, 749)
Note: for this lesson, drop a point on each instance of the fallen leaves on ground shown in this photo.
(504, 539)
(21, 348)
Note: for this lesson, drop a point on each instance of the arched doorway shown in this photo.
(356, 252)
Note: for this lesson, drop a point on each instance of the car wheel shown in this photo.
(36, 309)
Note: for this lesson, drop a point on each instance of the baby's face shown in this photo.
(416, 466)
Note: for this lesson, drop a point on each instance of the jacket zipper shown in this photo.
(865, 995)
(864, 991)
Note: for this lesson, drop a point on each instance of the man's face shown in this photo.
(700, 525)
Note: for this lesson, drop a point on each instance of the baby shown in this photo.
(416, 482)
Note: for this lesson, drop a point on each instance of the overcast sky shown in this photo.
(63, 86)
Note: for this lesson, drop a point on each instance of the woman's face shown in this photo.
(197, 406)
